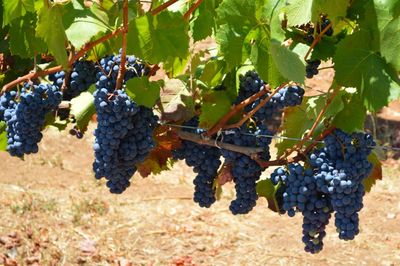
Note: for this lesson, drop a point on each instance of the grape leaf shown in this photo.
(266, 189)
(390, 43)
(3, 136)
(301, 12)
(160, 157)
(353, 115)
(204, 22)
(230, 40)
(78, 19)
(357, 65)
(288, 63)
(13, 9)
(376, 173)
(50, 28)
(82, 109)
(237, 12)
(156, 38)
(213, 73)
(215, 105)
(23, 41)
(144, 92)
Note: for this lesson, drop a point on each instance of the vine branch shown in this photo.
(249, 151)
(317, 39)
(234, 109)
(192, 9)
(122, 67)
(314, 126)
(162, 7)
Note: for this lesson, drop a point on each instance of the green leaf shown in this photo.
(357, 65)
(288, 63)
(215, 105)
(82, 109)
(376, 173)
(144, 92)
(353, 115)
(390, 43)
(303, 11)
(78, 19)
(156, 38)
(266, 189)
(297, 120)
(213, 73)
(23, 41)
(237, 12)
(13, 9)
(204, 23)
(3, 136)
(230, 41)
(51, 29)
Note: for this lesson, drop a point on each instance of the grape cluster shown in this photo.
(82, 76)
(312, 68)
(245, 170)
(332, 184)
(324, 24)
(251, 83)
(125, 129)
(205, 162)
(114, 113)
(26, 118)
(342, 165)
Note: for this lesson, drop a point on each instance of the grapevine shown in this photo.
(161, 95)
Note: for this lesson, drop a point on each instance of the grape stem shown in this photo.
(122, 67)
(317, 39)
(254, 110)
(234, 109)
(249, 151)
(192, 9)
(162, 7)
(300, 144)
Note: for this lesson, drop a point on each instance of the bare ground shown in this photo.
(53, 212)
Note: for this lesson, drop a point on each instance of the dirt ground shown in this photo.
(53, 212)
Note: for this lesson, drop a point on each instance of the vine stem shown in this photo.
(300, 144)
(162, 7)
(258, 107)
(192, 9)
(55, 69)
(234, 109)
(249, 151)
(317, 39)
(122, 67)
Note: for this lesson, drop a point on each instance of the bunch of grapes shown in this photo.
(245, 170)
(332, 184)
(25, 118)
(341, 166)
(124, 132)
(251, 83)
(82, 76)
(312, 68)
(205, 162)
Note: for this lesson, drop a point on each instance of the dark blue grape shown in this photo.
(312, 68)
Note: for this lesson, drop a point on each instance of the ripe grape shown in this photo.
(312, 68)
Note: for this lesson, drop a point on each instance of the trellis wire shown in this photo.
(387, 148)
